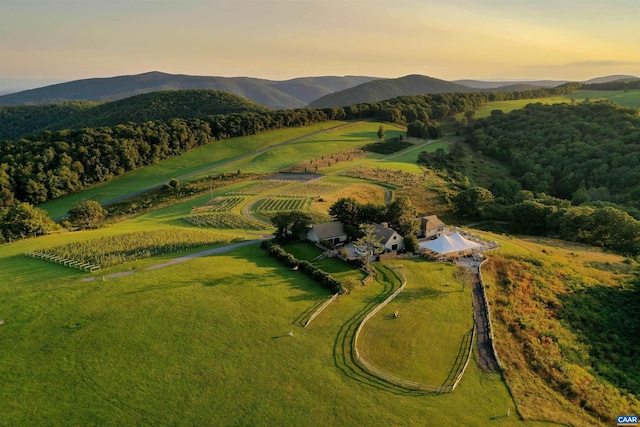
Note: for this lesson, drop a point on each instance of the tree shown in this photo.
(380, 132)
(368, 245)
(401, 216)
(174, 183)
(347, 211)
(470, 203)
(24, 220)
(464, 275)
(290, 225)
(87, 214)
(411, 244)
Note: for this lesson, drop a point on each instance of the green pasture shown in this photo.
(428, 342)
(630, 98)
(508, 106)
(205, 157)
(322, 144)
(204, 342)
(334, 266)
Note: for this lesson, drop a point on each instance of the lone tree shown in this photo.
(290, 225)
(23, 220)
(380, 133)
(87, 214)
(368, 245)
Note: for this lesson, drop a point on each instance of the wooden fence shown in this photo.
(67, 262)
(322, 307)
(395, 380)
(488, 311)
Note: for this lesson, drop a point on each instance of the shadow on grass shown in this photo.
(342, 349)
(423, 293)
(461, 357)
(302, 319)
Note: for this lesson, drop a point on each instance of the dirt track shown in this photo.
(486, 358)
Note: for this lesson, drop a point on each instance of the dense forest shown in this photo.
(586, 152)
(51, 164)
(18, 121)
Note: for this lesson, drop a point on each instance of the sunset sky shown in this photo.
(281, 39)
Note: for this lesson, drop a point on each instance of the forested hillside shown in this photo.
(17, 121)
(53, 163)
(379, 90)
(586, 152)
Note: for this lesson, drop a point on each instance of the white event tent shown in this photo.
(452, 245)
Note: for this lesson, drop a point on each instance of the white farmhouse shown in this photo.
(392, 241)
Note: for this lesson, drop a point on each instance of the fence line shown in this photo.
(464, 368)
(401, 382)
(322, 307)
(67, 262)
(488, 310)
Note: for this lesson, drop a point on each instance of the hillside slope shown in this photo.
(274, 94)
(18, 121)
(379, 90)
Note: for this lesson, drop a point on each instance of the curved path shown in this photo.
(214, 251)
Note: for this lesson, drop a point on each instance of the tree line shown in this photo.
(589, 151)
(51, 164)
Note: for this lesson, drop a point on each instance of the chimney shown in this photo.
(384, 224)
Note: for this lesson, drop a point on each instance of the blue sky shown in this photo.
(280, 39)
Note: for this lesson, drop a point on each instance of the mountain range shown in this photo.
(325, 91)
(294, 93)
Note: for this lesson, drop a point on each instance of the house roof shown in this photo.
(431, 222)
(329, 230)
(384, 233)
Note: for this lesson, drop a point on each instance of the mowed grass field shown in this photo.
(203, 342)
(629, 98)
(429, 341)
(207, 341)
(321, 144)
(205, 157)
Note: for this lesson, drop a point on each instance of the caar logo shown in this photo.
(627, 420)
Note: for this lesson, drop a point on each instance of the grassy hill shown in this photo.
(563, 315)
(273, 94)
(379, 90)
(17, 121)
(217, 339)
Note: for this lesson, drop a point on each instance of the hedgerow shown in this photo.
(325, 279)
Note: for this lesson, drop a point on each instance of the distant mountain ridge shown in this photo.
(286, 94)
(324, 91)
(414, 84)
(378, 90)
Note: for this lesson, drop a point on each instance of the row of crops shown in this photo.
(261, 187)
(225, 220)
(279, 204)
(399, 178)
(224, 204)
(311, 189)
(112, 250)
